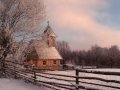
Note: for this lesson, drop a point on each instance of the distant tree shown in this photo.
(102, 57)
(82, 58)
(19, 21)
(96, 53)
(96, 56)
(114, 56)
(65, 51)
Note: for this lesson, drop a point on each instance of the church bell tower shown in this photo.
(49, 36)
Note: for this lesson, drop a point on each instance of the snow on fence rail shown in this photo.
(71, 82)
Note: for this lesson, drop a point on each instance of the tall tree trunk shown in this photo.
(3, 62)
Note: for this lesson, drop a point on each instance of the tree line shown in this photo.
(107, 57)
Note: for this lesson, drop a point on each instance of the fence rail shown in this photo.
(100, 72)
(97, 78)
(17, 70)
(34, 75)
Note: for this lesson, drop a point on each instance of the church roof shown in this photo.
(48, 53)
(43, 51)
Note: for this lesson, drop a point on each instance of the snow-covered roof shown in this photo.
(48, 53)
(43, 51)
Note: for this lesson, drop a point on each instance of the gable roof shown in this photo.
(48, 53)
(43, 51)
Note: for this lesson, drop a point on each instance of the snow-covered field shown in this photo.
(72, 73)
(11, 84)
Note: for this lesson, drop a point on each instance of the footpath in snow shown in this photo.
(12, 84)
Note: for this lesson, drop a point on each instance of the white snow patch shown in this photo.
(12, 84)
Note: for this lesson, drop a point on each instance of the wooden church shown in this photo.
(43, 53)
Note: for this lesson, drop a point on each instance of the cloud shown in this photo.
(79, 17)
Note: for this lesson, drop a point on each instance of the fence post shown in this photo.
(2, 67)
(77, 79)
(34, 73)
(15, 76)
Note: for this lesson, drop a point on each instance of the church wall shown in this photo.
(32, 62)
(49, 63)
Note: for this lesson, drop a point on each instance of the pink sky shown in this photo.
(79, 17)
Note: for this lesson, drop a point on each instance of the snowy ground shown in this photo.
(11, 84)
(72, 73)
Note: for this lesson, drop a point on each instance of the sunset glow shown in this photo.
(84, 23)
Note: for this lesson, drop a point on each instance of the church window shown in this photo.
(54, 62)
(44, 62)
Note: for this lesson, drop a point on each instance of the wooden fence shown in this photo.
(109, 74)
(34, 75)
(57, 81)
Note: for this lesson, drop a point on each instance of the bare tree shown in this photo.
(19, 21)
(65, 51)
(113, 55)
